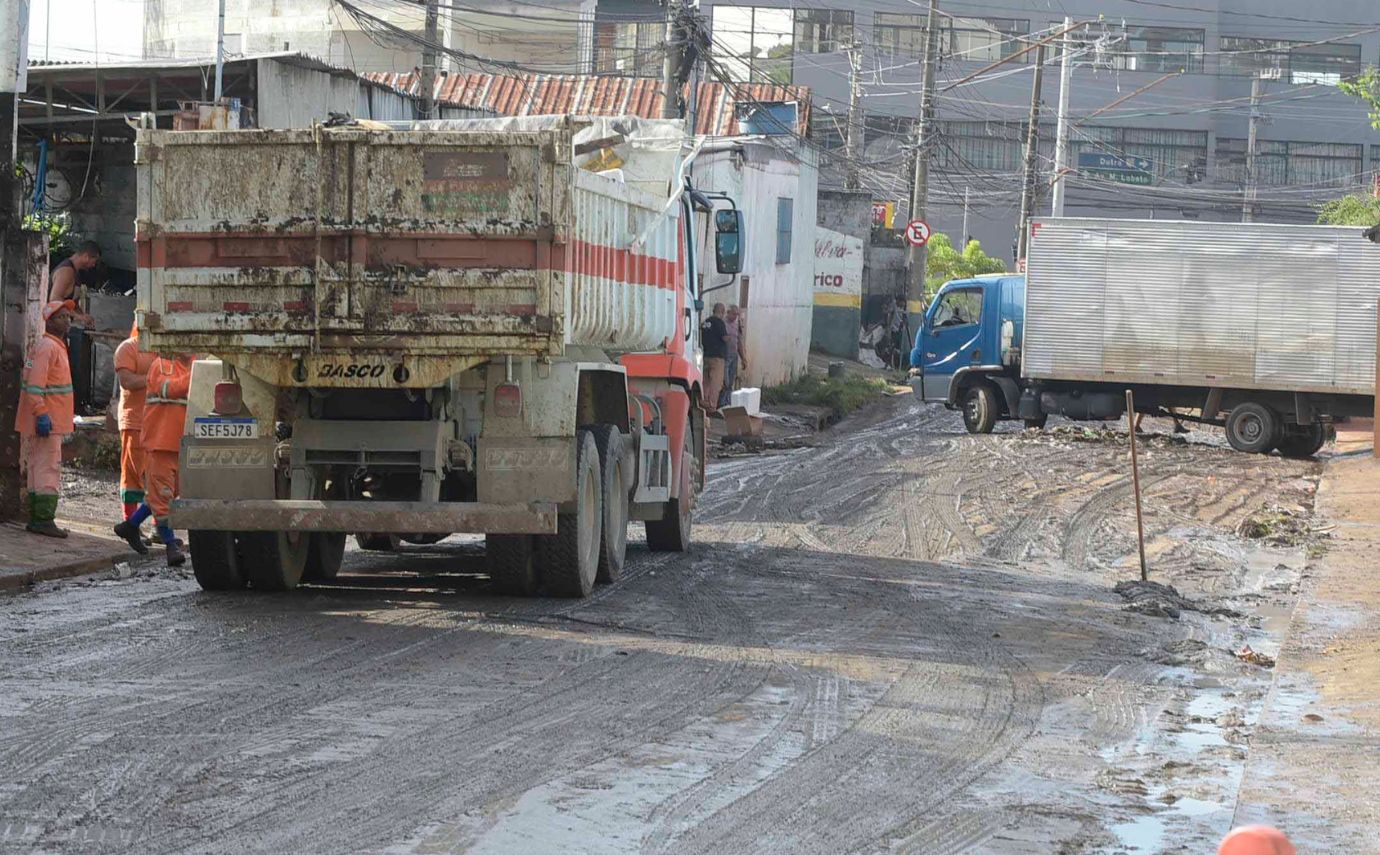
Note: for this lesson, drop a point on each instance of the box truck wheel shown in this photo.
(274, 560)
(1301, 441)
(671, 533)
(512, 565)
(570, 557)
(215, 560)
(980, 408)
(325, 554)
(1253, 428)
(613, 546)
(378, 542)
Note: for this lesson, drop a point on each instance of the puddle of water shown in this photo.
(1145, 834)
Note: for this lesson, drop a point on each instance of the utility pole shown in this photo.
(919, 199)
(853, 144)
(220, 51)
(1032, 152)
(1248, 197)
(427, 83)
(964, 242)
(1061, 146)
(673, 62)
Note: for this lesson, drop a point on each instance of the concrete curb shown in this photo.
(15, 580)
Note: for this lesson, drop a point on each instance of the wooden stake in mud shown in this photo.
(1135, 482)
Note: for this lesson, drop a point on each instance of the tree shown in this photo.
(1353, 210)
(1367, 88)
(946, 263)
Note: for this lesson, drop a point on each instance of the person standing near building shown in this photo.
(63, 284)
(714, 339)
(132, 368)
(736, 360)
(165, 410)
(46, 416)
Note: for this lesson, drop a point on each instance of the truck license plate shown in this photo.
(214, 428)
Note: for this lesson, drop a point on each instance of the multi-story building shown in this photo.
(1184, 136)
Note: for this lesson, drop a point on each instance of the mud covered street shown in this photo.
(905, 638)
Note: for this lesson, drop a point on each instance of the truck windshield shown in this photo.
(959, 307)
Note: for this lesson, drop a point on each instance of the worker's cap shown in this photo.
(1256, 840)
(57, 306)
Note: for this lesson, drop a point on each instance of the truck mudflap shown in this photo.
(347, 516)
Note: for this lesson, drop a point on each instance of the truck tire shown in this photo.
(570, 557)
(1301, 442)
(424, 539)
(512, 564)
(671, 533)
(325, 554)
(274, 560)
(613, 545)
(1037, 423)
(378, 542)
(216, 560)
(1253, 428)
(980, 408)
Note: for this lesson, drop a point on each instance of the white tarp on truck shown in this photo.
(1217, 305)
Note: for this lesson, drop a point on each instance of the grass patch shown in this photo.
(841, 395)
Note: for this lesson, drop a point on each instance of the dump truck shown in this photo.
(1268, 331)
(485, 326)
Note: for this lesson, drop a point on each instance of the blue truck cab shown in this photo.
(968, 350)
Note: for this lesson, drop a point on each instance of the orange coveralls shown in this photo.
(165, 411)
(128, 357)
(46, 389)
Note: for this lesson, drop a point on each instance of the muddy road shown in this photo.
(905, 638)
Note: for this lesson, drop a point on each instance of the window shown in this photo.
(978, 39)
(785, 213)
(822, 30)
(754, 44)
(1327, 64)
(960, 307)
(631, 48)
(1279, 163)
(1179, 156)
(1159, 49)
(827, 129)
(985, 146)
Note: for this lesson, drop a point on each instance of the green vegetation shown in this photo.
(842, 395)
(58, 229)
(1354, 210)
(1367, 88)
(945, 263)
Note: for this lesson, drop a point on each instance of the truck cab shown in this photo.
(967, 351)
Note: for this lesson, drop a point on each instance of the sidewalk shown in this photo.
(27, 558)
(1314, 765)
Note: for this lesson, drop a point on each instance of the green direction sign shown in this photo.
(1124, 170)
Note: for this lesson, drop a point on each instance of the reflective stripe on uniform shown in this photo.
(153, 399)
(49, 390)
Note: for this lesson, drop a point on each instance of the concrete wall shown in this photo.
(187, 28)
(778, 299)
(105, 213)
(838, 293)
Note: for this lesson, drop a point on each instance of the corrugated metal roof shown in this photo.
(541, 94)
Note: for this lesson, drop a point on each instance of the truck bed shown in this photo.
(1277, 307)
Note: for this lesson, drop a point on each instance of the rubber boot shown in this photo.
(176, 557)
(129, 532)
(42, 516)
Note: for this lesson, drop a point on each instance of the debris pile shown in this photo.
(1157, 600)
(1276, 525)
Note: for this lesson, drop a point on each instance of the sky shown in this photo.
(86, 30)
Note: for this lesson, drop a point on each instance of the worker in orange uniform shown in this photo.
(132, 369)
(165, 411)
(45, 416)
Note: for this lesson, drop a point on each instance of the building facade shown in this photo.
(1175, 150)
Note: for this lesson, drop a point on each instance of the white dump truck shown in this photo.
(435, 328)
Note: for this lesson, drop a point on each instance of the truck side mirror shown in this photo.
(728, 243)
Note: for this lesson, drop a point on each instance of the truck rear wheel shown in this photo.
(511, 563)
(274, 560)
(1253, 428)
(215, 560)
(1299, 441)
(980, 408)
(570, 557)
(671, 533)
(378, 542)
(325, 554)
(613, 546)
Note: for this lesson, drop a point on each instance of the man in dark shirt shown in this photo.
(63, 285)
(714, 338)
